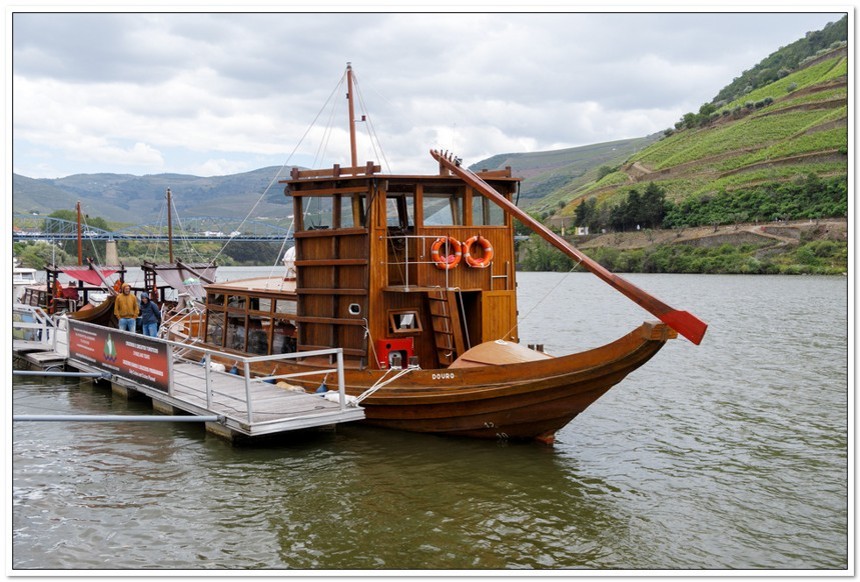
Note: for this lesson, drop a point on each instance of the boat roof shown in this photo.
(274, 284)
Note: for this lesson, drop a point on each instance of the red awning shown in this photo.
(88, 275)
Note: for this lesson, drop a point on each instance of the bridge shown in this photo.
(194, 229)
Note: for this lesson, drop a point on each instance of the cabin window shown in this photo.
(399, 211)
(258, 334)
(485, 212)
(442, 209)
(283, 337)
(317, 213)
(215, 328)
(352, 212)
(236, 326)
(236, 302)
(216, 299)
(264, 304)
(405, 322)
(286, 307)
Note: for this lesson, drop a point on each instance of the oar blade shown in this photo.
(687, 324)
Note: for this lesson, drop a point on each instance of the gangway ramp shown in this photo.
(183, 377)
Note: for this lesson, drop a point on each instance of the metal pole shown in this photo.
(113, 418)
(169, 229)
(170, 369)
(207, 358)
(55, 328)
(248, 388)
(340, 386)
(80, 245)
(65, 374)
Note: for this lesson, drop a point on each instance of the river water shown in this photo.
(728, 456)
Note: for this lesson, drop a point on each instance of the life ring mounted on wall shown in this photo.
(448, 258)
(486, 257)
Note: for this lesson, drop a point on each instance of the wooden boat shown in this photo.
(413, 277)
(84, 297)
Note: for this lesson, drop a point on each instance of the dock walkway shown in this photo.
(273, 408)
(182, 378)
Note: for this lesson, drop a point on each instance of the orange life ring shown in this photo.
(447, 261)
(486, 257)
(117, 286)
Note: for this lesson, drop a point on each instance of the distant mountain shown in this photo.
(544, 173)
(132, 199)
(781, 120)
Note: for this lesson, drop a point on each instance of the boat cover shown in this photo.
(185, 281)
(88, 275)
(497, 353)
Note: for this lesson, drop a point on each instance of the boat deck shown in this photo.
(274, 409)
(246, 406)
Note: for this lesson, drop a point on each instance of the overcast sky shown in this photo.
(214, 94)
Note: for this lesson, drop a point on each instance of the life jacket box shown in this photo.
(394, 351)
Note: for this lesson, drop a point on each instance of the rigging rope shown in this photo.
(542, 299)
(374, 138)
(379, 383)
(278, 173)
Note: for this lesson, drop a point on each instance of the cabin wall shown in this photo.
(332, 267)
(485, 298)
(366, 281)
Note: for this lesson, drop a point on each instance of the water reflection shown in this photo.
(729, 455)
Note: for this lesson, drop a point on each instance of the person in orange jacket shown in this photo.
(126, 309)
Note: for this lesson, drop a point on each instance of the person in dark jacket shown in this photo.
(150, 315)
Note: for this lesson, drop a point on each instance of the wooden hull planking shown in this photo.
(528, 400)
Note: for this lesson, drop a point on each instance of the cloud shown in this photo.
(196, 92)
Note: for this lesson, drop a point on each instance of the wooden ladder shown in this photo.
(447, 329)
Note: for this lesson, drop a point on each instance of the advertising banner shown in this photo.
(132, 356)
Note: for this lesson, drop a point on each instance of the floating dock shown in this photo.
(182, 378)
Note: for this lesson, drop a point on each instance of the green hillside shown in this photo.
(544, 174)
(776, 133)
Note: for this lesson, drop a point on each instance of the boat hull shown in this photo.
(101, 314)
(527, 400)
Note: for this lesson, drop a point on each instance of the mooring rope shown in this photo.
(379, 383)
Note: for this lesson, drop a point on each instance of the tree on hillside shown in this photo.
(72, 216)
(653, 206)
(585, 212)
(787, 58)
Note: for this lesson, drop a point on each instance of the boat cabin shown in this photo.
(396, 270)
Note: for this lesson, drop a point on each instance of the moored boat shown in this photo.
(413, 277)
(22, 277)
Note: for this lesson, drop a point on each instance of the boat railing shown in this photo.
(188, 322)
(144, 356)
(242, 367)
(31, 323)
(422, 256)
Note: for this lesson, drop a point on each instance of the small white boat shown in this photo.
(22, 277)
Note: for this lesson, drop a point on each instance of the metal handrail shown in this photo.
(407, 262)
(243, 363)
(42, 322)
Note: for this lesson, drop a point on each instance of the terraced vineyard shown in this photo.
(777, 133)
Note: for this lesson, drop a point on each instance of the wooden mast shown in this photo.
(169, 230)
(80, 242)
(683, 322)
(352, 148)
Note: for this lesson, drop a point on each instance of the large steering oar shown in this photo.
(684, 322)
